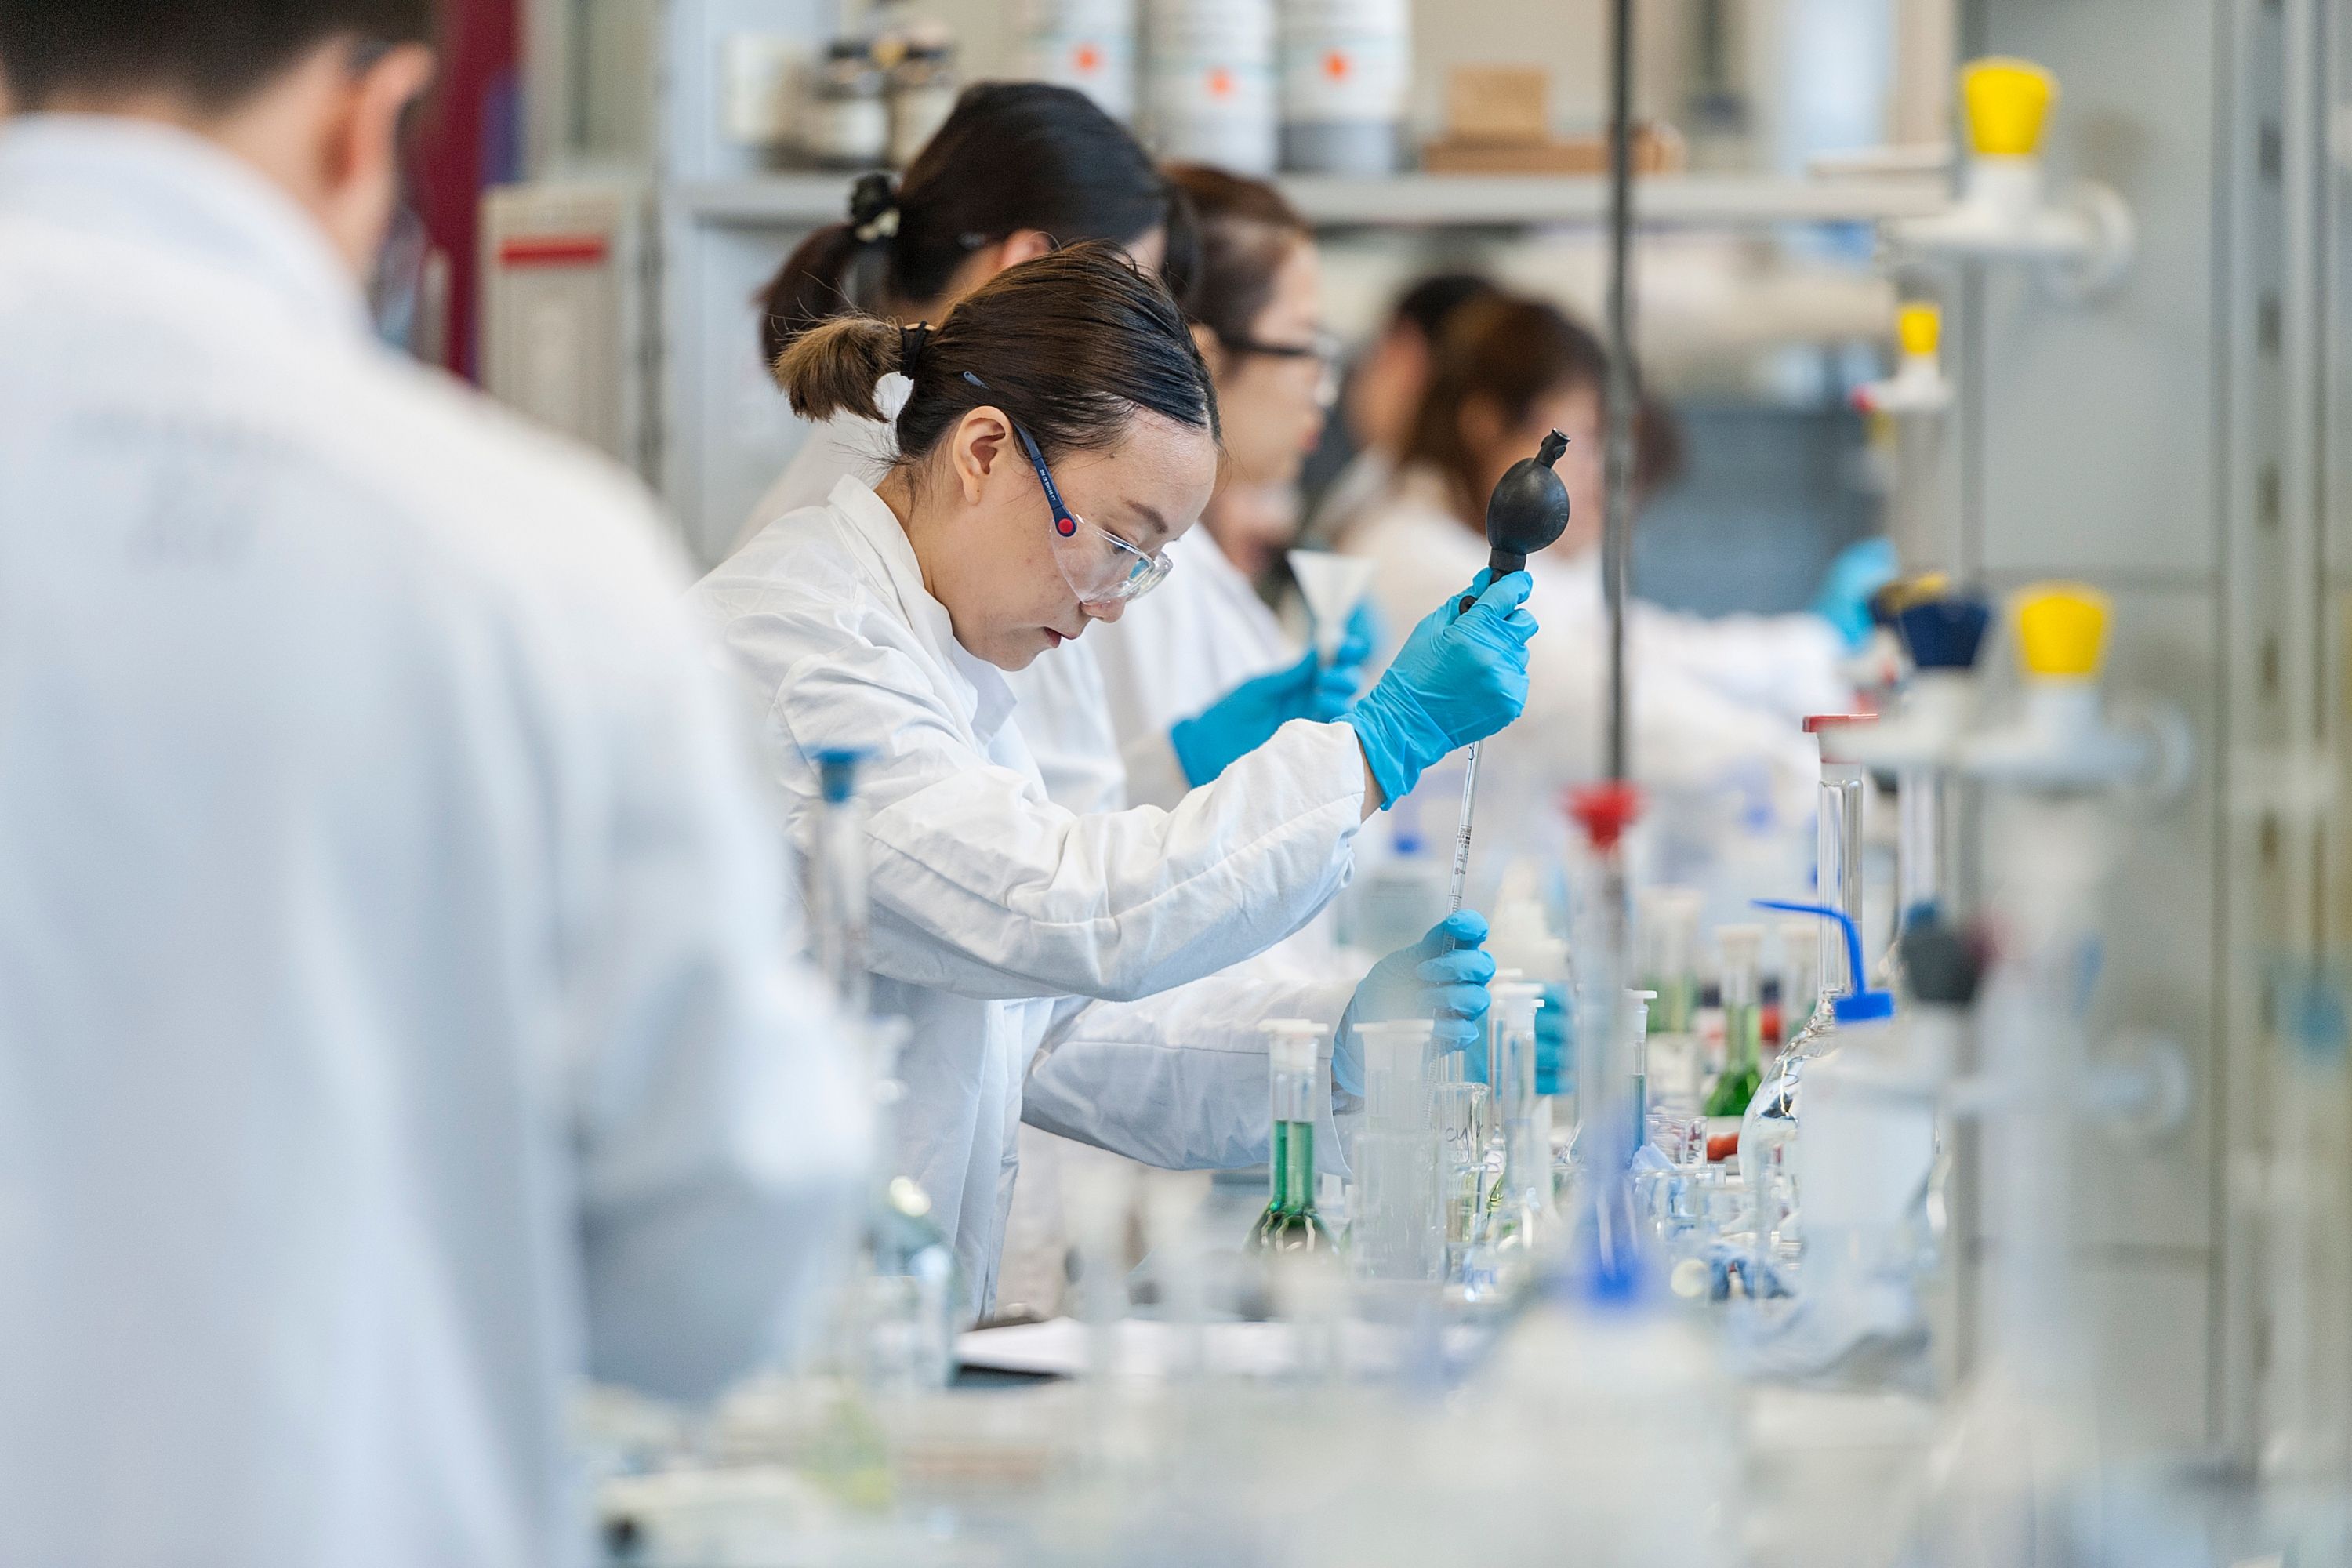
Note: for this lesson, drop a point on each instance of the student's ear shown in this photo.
(1026, 245)
(982, 439)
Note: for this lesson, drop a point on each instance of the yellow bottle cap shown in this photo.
(1919, 328)
(2061, 629)
(2008, 102)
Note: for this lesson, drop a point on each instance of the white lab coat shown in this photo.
(995, 910)
(1715, 716)
(1064, 715)
(1178, 648)
(392, 1018)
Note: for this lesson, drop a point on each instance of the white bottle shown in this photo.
(1085, 44)
(1209, 82)
(1346, 70)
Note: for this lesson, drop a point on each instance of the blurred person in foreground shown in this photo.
(396, 1024)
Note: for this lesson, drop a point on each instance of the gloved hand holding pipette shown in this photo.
(1246, 717)
(1443, 977)
(1460, 676)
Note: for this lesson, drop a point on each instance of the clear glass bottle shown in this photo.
(1743, 1062)
(848, 118)
(1769, 1125)
(839, 915)
(922, 87)
(908, 1303)
(1522, 1213)
(1458, 1109)
(1290, 1223)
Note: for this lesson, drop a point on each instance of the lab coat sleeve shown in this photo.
(1154, 774)
(1179, 1080)
(983, 887)
(722, 1136)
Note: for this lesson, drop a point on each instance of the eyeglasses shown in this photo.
(1324, 349)
(1100, 567)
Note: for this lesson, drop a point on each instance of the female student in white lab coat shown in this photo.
(1058, 430)
(1717, 704)
(1016, 169)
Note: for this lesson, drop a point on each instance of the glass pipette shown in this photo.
(1527, 513)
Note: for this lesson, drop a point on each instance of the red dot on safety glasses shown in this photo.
(1065, 527)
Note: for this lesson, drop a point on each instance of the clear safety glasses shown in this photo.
(1100, 567)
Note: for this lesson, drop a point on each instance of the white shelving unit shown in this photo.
(1435, 201)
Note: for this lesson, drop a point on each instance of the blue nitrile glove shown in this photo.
(1245, 718)
(1860, 570)
(1554, 1029)
(1460, 677)
(1441, 977)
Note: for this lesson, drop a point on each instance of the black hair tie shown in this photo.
(912, 341)
(874, 208)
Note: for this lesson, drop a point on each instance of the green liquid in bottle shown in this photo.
(1290, 1223)
(1743, 1068)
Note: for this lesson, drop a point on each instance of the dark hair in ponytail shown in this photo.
(1010, 155)
(1071, 345)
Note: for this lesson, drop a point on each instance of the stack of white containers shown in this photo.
(1311, 86)
(1085, 44)
(1209, 83)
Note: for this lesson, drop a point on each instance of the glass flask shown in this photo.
(1743, 1041)
(1290, 1224)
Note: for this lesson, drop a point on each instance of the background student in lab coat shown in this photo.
(394, 1017)
(1256, 306)
(1378, 402)
(1717, 704)
(1059, 430)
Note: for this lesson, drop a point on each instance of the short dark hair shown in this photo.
(1516, 352)
(1071, 345)
(218, 52)
(1248, 229)
(1010, 155)
(1428, 303)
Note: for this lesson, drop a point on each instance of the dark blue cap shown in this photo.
(1944, 634)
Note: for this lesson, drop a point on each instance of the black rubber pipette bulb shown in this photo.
(1527, 512)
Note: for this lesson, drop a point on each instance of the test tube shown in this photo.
(1801, 976)
(1669, 926)
(837, 885)
(1838, 849)
(1524, 1203)
(1743, 950)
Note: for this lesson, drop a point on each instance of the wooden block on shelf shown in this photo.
(1497, 104)
(1657, 150)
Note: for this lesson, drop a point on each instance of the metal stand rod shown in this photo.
(1617, 517)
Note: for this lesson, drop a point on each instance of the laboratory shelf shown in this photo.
(1689, 200)
(1434, 201)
